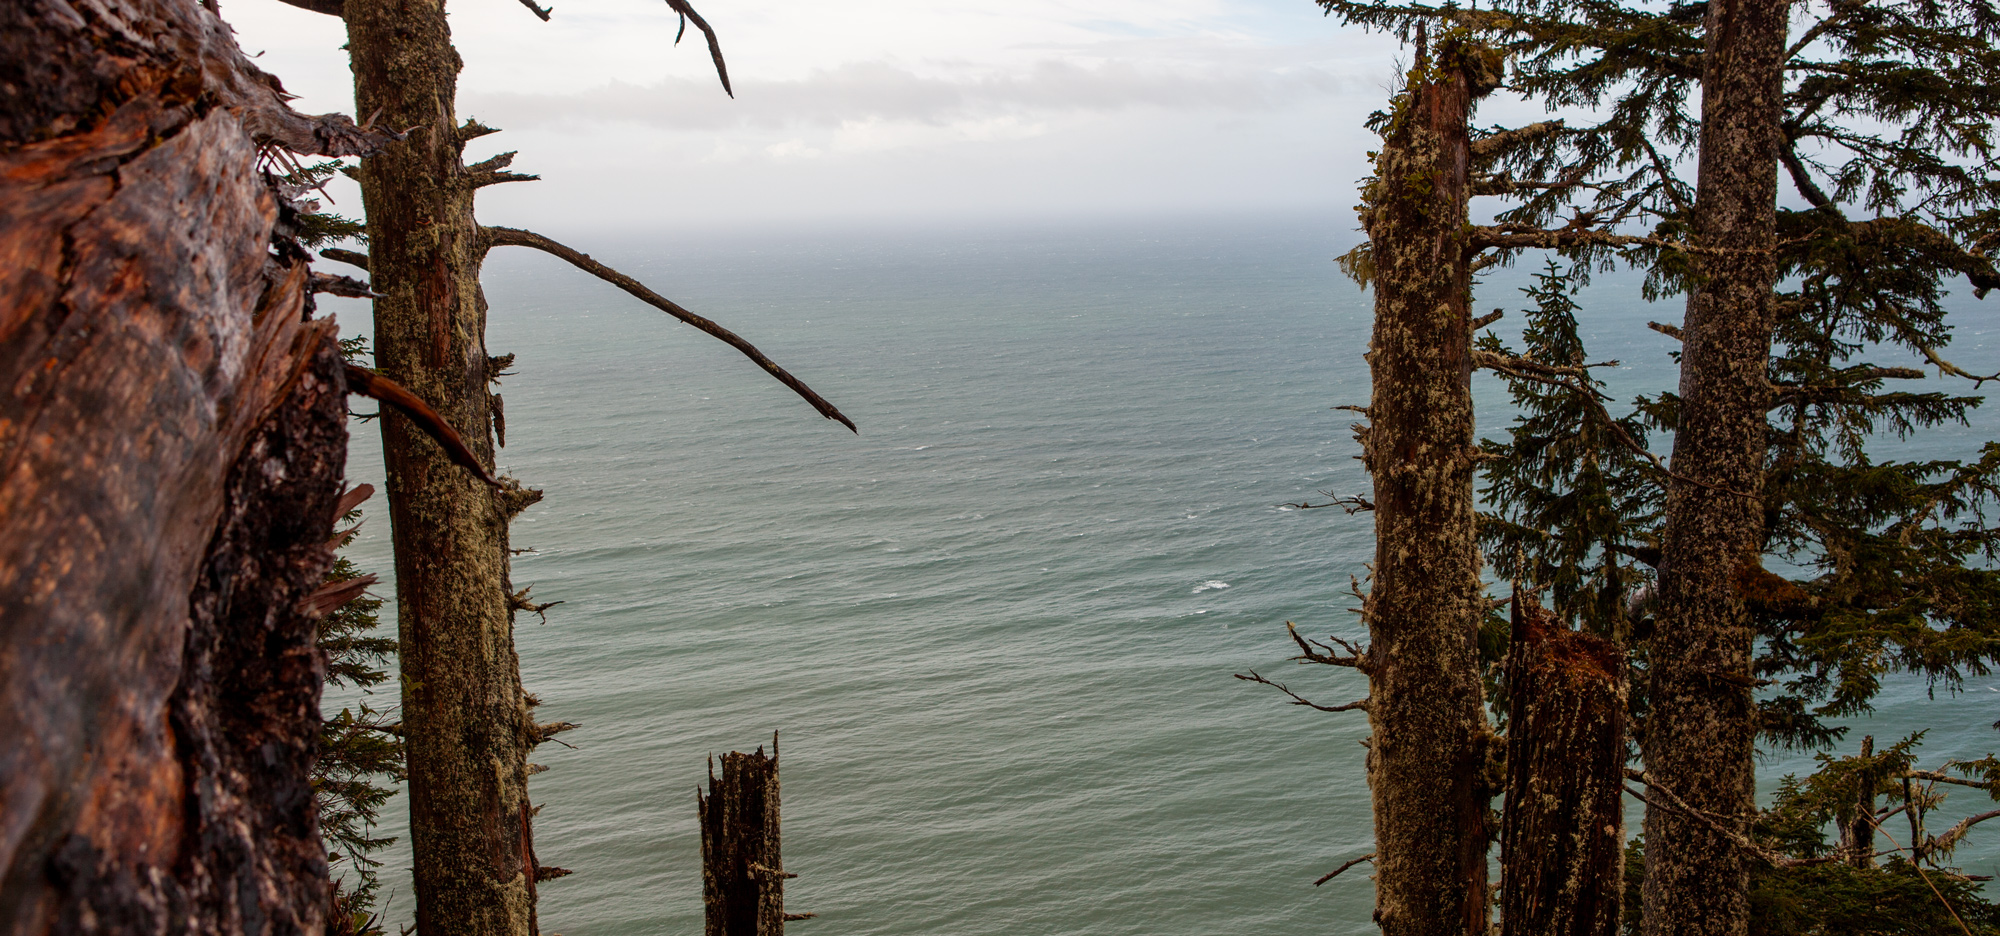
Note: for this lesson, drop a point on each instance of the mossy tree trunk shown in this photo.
(466, 720)
(1427, 760)
(1701, 729)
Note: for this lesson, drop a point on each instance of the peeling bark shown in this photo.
(1428, 757)
(171, 443)
(1701, 729)
(465, 718)
(1562, 856)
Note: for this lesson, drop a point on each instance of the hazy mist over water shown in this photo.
(996, 629)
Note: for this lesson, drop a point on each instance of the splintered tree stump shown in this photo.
(742, 874)
(1562, 855)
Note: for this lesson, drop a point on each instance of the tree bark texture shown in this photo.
(466, 720)
(1428, 754)
(171, 444)
(1701, 730)
(742, 871)
(1562, 858)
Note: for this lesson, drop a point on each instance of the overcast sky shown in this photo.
(868, 110)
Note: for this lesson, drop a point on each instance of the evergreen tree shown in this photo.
(1886, 111)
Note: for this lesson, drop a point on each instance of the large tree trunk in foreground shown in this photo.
(1562, 858)
(466, 720)
(1427, 761)
(171, 444)
(1701, 730)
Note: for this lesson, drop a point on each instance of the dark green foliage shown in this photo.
(359, 750)
(1573, 499)
(315, 228)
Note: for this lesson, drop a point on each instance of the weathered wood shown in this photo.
(1701, 725)
(171, 441)
(742, 872)
(1562, 855)
(1428, 753)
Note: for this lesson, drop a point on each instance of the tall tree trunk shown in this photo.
(1701, 730)
(171, 444)
(1562, 858)
(1427, 760)
(466, 720)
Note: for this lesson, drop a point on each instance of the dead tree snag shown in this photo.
(742, 872)
(1562, 852)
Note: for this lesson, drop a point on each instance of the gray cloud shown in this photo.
(883, 92)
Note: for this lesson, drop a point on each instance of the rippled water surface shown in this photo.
(996, 629)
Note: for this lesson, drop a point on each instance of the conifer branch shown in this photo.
(515, 237)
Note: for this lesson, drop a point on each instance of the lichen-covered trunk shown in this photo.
(1562, 857)
(466, 720)
(1427, 760)
(1701, 728)
(171, 447)
(742, 868)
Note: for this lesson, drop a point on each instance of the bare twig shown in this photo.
(515, 237)
(1674, 803)
(1947, 367)
(336, 285)
(1352, 503)
(351, 257)
(1671, 331)
(1358, 704)
(1916, 863)
(1326, 654)
(714, 47)
(1336, 872)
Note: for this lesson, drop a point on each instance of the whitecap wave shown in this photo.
(1210, 584)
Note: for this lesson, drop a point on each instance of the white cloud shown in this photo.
(893, 106)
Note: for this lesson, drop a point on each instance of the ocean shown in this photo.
(996, 630)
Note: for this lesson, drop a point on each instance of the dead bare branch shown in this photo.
(367, 383)
(1352, 503)
(714, 47)
(515, 237)
(1327, 654)
(1356, 705)
(1336, 872)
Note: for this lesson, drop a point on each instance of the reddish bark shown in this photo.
(170, 448)
(1562, 854)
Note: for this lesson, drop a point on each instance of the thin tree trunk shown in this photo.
(1861, 830)
(171, 444)
(1562, 857)
(466, 720)
(742, 868)
(1427, 762)
(1701, 729)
